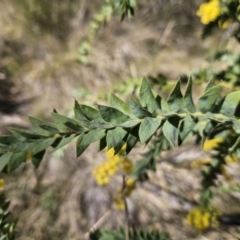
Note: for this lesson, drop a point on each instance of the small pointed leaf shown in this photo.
(132, 139)
(37, 158)
(147, 128)
(36, 123)
(210, 85)
(42, 144)
(15, 160)
(90, 113)
(170, 130)
(92, 136)
(4, 159)
(115, 136)
(138, 111)
(187, 98)
(117, 103)
(78, 112)
(112, 115)
(62, 121)
(147, 98)
(64, 141)
(185, 127)
(175, 100)
(231, 104)
(207, 102)
(129, 124)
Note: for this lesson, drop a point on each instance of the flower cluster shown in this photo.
(203, 219)
(209, 145)
(124, 192)
(2, 185)
(113, 163)
(209, 12)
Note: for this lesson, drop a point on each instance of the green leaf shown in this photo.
(78, 112)
(92, 136)
(90, 113)
(100, 124)
(37, 123)
(42, 144)
(236, 125)
(80, 138)
(165, 108)
(62, 122)
(207, 102)
(112, 115)
(8, 140)
(230, 106)
(102, 144)
(138, 111)
(4, 159)
(21, 146)
(185, 127)
(50, 129)
(187, 98)
(74, 127)
(115, 136)
(132, 139)
(37, 158)
(117, 103)
(210, 84)
(170, 130)
(23, 134)
(148, 127)
(147, 98)
(175, 100)
(64, 141)
(129, 124)
(87, 124)
(15, 160)
(119, 146)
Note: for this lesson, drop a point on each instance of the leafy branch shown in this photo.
(166, 123)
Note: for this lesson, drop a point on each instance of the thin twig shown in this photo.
(126, 208)
(98, 223)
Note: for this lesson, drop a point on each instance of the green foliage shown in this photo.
(135, 235)
(123, 7)
(228, 76)
(166, 123)
(7, 226)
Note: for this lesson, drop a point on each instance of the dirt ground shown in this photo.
(39, 72)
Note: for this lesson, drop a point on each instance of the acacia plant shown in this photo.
(162, 124)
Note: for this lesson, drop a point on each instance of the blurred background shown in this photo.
(39, 43)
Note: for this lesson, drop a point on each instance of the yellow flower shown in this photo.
(113, 162)
(112, 170)
(2, 185)
(209, 12)
(206, 220)
(203, 219)
(119, 203)
(101, 180)
(224, 24)
(126, 165)
(28, 155)
(200, 162)
(231, 158)
(210, 144)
